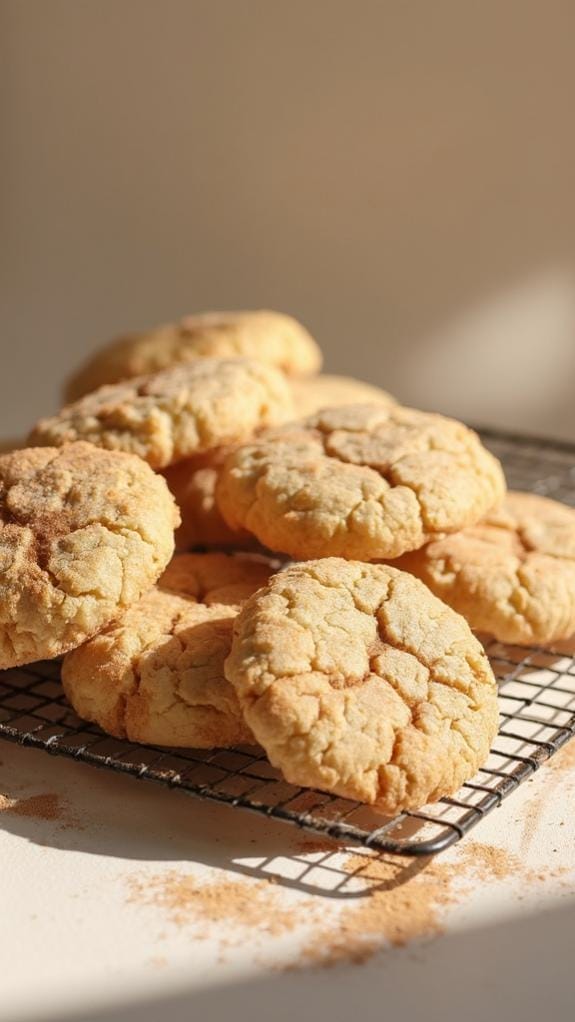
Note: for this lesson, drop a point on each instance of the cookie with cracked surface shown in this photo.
(325, 391)
(357, 680)
(513, 575)
(271, 337)
(175, 414)
(362, 482)
(193, 484)
(156, 675)
(83, 534)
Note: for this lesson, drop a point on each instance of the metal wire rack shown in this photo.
(537, 703)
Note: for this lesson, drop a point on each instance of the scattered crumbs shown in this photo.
(47, 806)
(185, 900)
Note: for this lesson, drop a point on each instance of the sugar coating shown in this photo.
(83, 534)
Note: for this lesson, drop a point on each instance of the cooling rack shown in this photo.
(537, 704)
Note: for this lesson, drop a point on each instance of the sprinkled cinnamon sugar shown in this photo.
(252, 904)
(394, 910)
(47, 806)
(405, 902)
(488, 862)
(390, 901)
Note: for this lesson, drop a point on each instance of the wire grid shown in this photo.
(537, 704)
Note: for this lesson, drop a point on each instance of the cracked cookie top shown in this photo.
(316, 392)
(357, 680)
(156, 675)
(271, 337)
(362, 482)
(83, 533)
(512, 575)
(172, 415)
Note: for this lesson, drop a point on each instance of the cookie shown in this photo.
(324, 391)
(357, 680)
(193, 484)
(156, 675)
(271, 337)
(175, 414)
(513, 575)
(83, 534)
(362, 482)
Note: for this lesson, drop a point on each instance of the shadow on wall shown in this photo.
(381, 174)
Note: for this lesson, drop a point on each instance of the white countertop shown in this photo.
(126, 898)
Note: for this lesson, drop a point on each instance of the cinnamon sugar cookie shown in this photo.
(271, 337)
(362, 482)
(356, 679)
(177, 413)
(512, 575)
(156, 675)
(83, 533)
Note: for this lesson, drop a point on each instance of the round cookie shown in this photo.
(325, 391)
(83, 533)
(177, 413)
(357, 680)
(271, 337)
(512, 575)
(193, 484)
(362, 482)
(156, 675)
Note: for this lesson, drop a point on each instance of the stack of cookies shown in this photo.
(334, 552)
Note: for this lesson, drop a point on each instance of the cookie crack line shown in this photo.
(327, 487)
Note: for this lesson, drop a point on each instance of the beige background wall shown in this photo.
(398, 174)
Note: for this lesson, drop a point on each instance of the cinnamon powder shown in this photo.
(251, 904)
(47, 806)
(393, 911)
(37, 807)
(404, 903)
(396, 900)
